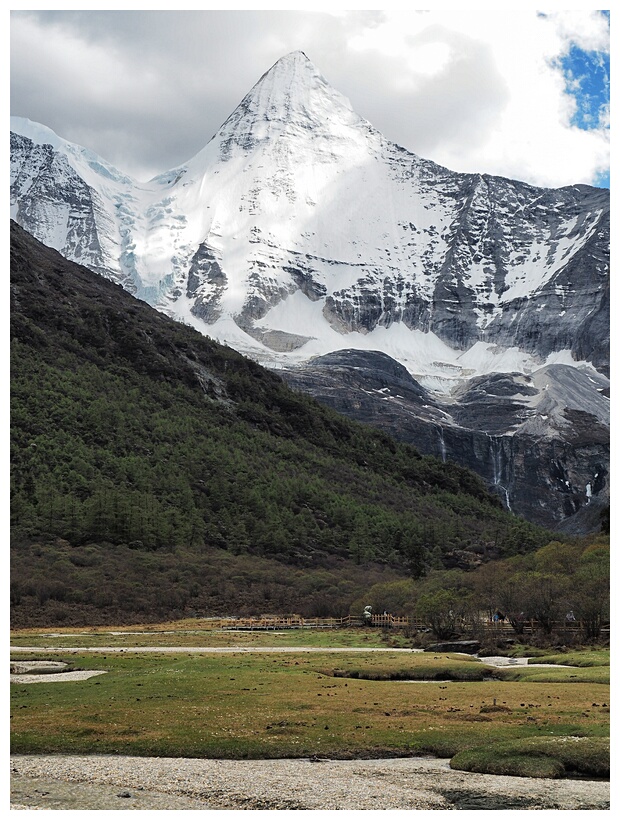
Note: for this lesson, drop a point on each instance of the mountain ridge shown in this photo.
(462, 254)
(299, 231)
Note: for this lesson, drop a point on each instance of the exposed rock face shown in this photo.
(530, 437)
(299, 231)
(468, 647)
(53, 200)
(206, 282)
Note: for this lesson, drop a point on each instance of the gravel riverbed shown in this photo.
(110, 782)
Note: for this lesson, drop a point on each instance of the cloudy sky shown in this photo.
(520, 93)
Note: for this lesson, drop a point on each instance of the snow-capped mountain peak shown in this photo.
(299, 231)
(291, 95)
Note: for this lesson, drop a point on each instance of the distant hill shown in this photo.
(157, 473)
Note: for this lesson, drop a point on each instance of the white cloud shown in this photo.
(497, 100)
(477, 91)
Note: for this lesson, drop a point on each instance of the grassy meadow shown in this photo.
(197, 633)
(304, 703)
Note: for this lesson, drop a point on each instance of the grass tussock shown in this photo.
(420, 671)
(552, 757)
(533, 674)
(581, 658)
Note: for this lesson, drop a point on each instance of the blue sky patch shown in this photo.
(587, 80)
(586, 74)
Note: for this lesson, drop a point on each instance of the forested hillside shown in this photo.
(157, 472)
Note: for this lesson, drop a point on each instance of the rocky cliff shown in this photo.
(541, 441)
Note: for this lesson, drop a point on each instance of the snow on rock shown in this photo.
(299, 230)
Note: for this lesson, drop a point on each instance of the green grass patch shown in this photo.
(583, 657)
(419, 668)
(198, 635)
(475, 730)
(533, 674)
(538, 757)
(268, 705)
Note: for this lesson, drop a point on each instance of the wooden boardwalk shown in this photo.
(277, 622)
(384, 621)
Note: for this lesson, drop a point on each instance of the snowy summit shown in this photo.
(299, 230)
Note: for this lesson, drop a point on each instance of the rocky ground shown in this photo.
(107, 782)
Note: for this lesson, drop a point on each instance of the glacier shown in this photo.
(299, 231)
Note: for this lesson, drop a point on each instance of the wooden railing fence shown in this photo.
(384, 621)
